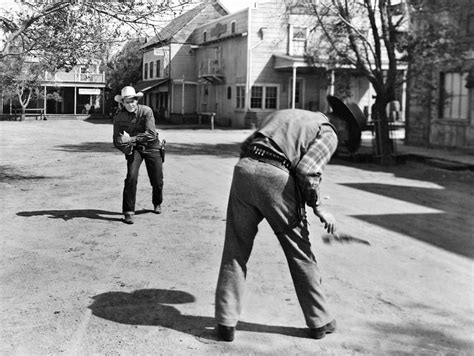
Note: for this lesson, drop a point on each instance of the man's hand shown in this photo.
(326, 218)
(124, 138)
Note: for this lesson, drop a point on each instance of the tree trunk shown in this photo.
(22, 115)
(383, 143)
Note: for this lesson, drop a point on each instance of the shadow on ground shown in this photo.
(224, 150)
(450, 229)
(424, 339)
(78, 213)
(179, 149)
(88, 147)
(9, 173)
(149, 307)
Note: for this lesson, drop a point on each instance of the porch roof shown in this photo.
(149, 84)
(288, 62)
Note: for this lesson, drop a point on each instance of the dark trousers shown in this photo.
(154, 167)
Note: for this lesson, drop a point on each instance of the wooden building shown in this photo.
(240, 66)
(441, 114)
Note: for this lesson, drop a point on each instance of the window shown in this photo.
(271, 97)
(229, 93)
(470, 25)
(454, 99)
(264, 97)
(204, 36)
(232, 27)
(240, 97)
(158, 68)
(299, 40)
(256, 97)
(146, 71)
(151, 69)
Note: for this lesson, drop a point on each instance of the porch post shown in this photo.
(44, 99)
(75, 99)
(293, 91)
(182, 97)
(332, 82)
(403, 110)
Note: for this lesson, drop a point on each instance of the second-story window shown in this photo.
(299, 40)
(232, 27)
(158, 68)
(204, 36)
(146, 71)
(470, 25)
(151, 69)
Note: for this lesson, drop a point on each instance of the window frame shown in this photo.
(264, 106)
(456, 98)
(240, 97)
(158, 68)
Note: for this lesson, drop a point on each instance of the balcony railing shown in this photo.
(211, 67)
(75, 77)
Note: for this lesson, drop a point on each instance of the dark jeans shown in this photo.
(154, 167)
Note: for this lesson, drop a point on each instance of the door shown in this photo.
(299, 93)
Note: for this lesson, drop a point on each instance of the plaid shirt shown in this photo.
(310, 167)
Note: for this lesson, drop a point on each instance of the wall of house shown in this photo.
(230, 49)
(426, 125)
(151, 56)
(183, 99)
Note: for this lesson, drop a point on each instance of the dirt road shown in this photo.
(77, 281)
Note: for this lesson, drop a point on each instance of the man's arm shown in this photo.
(309, 172)
(120, 138)
(150, 135)
(245, 145)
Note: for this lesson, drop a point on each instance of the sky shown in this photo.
(236, 5)
(231, 5)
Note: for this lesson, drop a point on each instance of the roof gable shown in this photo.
(179, 24)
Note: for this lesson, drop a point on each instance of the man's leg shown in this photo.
(279, 207)
(241, 228)
(306, 276)
(130, 187)
(154, 168)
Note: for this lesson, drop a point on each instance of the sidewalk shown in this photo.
(450, 158)
(447, 158)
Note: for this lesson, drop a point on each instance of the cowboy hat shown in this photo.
(127, 93)
(353, 116)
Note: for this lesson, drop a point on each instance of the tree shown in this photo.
(64, 25)
(21, 81)
(124, 68)
(373, 37)
(61, 34)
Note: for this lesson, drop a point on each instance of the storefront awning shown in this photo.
(149, 84)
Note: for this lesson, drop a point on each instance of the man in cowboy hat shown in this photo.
(278, 174)
(135, 135)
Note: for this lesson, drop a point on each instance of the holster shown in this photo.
(163, 150)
